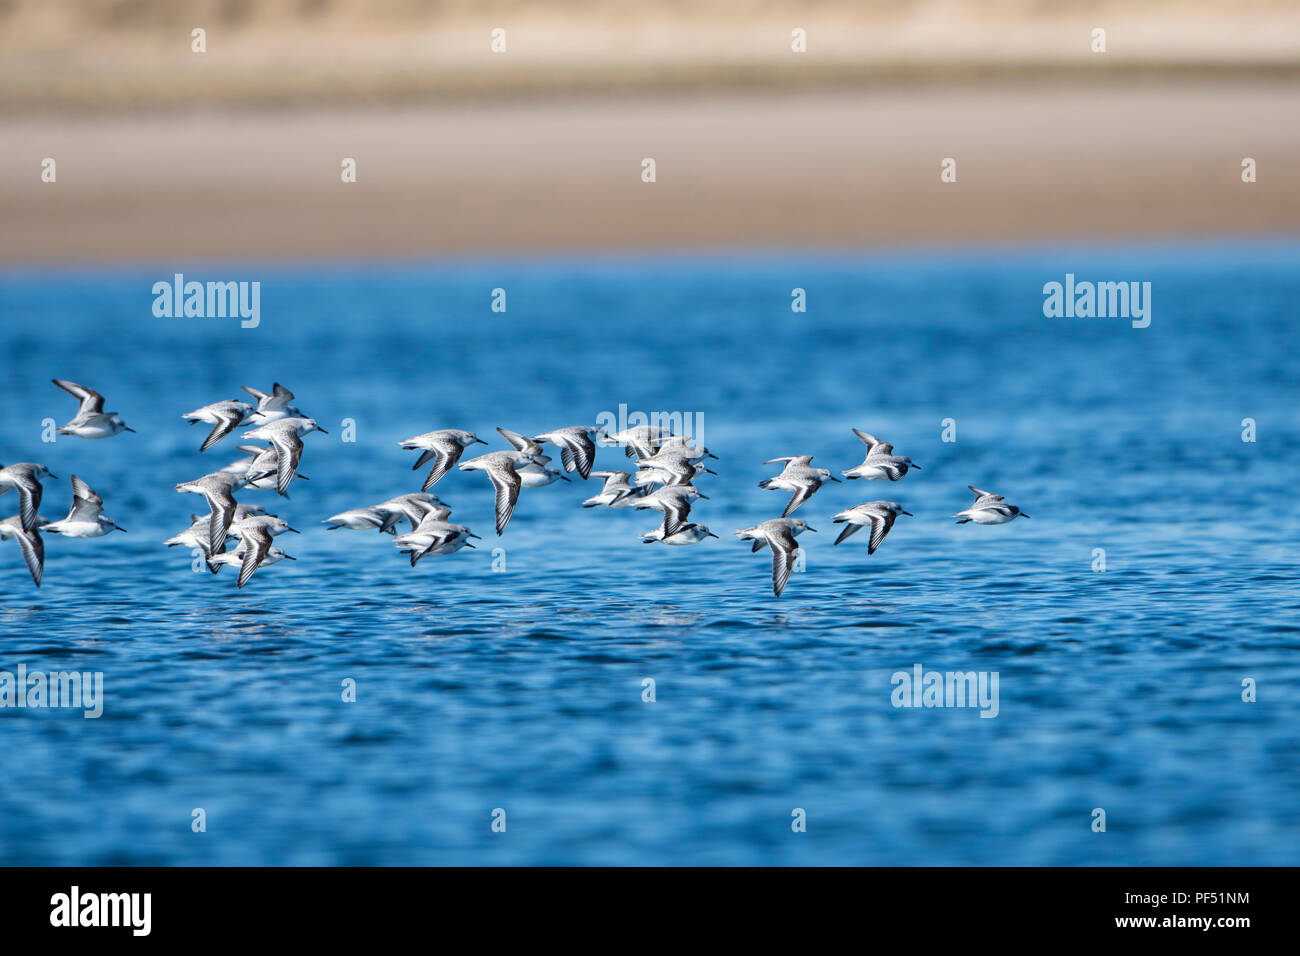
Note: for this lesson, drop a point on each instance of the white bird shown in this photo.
(255, 549)
(86, 518)
(988, 509)
(502, 467)
(29, 541)
(91, 421)
(577, 445)
(616, 493)
(682, 444)
(242, 466)
(218, 489)
(879, 514)
(799, 477)
(434, 536)
(25, 477)
(286, 435)
(640, 441)
(880, 462)
(223, 416)
(670, 468)
(688, 533)
(779, 535)
(535, 475)
(387, 514)
(674, 501)
(198, 534)
(272, 407)
(445, 446)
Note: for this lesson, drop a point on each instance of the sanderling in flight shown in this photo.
(502, 468)
(286, 435)
(255, 549)
(86, 518)
(537, 473)
(988, 509)
(444, 446)
(669, 468)
(29, 541)
(682, 444)
(242, 466)
(222, 416)
(879, 514)
(26, 477)
(616, 493)
(385, 515)
(779, 535)
(688, 533)
(218, 489)
(640, 441)
(798, 476)
(198, 534)
(434, 536)
(577, 445)
(880, 462)
(272, 407)
(674, 501)
(90, 421)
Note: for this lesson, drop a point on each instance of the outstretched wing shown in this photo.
(229, 419)
(506, 481)
(86, 505)
(92, 403)
(783, 552)
(288, 448)
(257, 542)
(447, 453)
(33, 549)
(880, 525)
(803, 494)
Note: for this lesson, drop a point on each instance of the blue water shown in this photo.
(521, 688)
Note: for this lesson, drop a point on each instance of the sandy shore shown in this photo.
(1051, 159)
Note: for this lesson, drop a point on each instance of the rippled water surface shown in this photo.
(513, 679)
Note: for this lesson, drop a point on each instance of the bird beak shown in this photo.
(321, 430)
(563, 478)
(705, 497)
(468, 545)
(709, 471)
(128, 428)
(916, 466)
(710, 535)
(55, 477)
(834, 479)
(290, 557)
(294, 530)
(908, 513)
(478, 441)
(480, 537)
(123, 530)
(810, 529)
(709, 454)
(1023, 515)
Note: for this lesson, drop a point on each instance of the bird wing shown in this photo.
(584, 454)
(506, 481)
(676, 510)
(229, 418)
(92, 403)
(447, 453)
(803, 494)
(783, 552)
(880, 525)
(849, 528)
(520, 442)
(33, 549)
(86, 505)
(871, 441)
(257, 542)
(288, 447)
(280, 396)
(222, 503)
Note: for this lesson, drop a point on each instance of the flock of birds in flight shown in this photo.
(666, 468)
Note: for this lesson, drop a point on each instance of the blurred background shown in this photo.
(165, 153)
